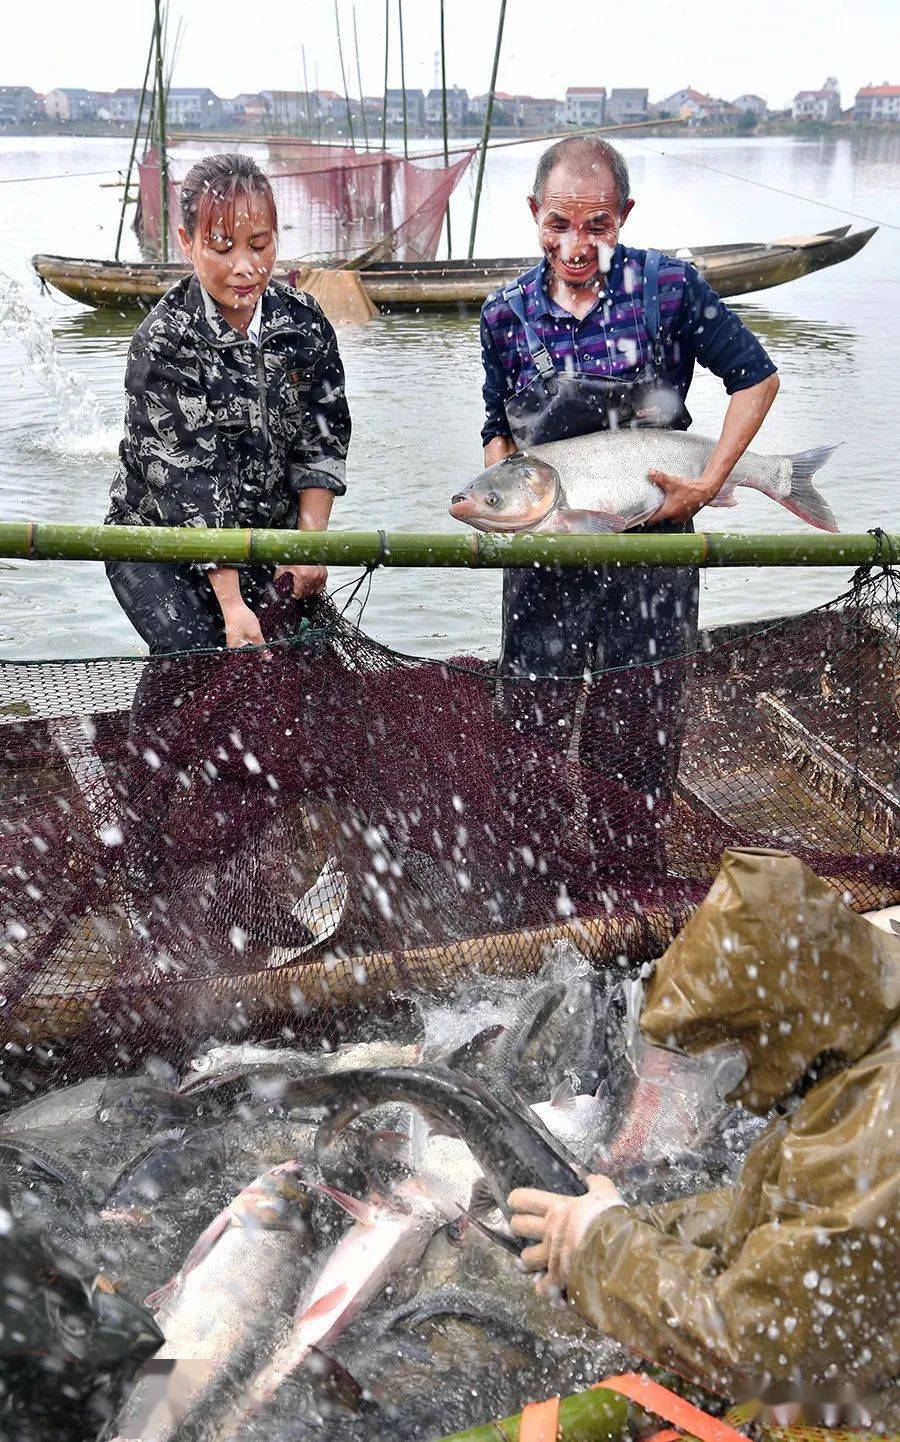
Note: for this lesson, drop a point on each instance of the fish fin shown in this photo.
(362, 1212)
(201, 1248)
(565, 1091)
(323, 1304)
(508, 1243)
(586, 523)
(336, 1384)
(482, 1199)
(803, 498)
(322, 907)
(726, 497)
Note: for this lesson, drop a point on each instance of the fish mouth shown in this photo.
(464, 509)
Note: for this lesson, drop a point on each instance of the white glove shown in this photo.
(557, 1226)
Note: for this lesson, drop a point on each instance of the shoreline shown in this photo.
(121, 130)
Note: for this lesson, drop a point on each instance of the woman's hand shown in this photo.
(242, 627)
(557, 1225)
(305, 580)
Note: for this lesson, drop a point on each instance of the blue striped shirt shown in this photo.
(612, 340)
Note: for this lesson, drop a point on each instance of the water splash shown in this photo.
(80, 427)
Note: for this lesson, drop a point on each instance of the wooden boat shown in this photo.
(447, 284)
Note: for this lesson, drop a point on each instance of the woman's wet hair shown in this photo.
(215, 184)
(583, 153)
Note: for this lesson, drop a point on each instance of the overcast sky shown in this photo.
(769, 47)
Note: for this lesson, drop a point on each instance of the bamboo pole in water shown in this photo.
(161, 113)
(403, 83)
(31, 540)
(488, 115)
(306, 93)
(444, 119)
(387, 36)
(596, 1416)
(337, 26)
(134, 143)
(362, 98)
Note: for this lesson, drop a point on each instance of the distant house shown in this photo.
(286, 108)
(754, 104)
(248, 108)
(627, 106)
(586, 105)
(687, 102)
(457, 106)
(503, 113)
(19, 104)
(70, 105)
(123, 104)
(193, 108)
(877, 103)
(326, 104)
(823, 105)
(415, 107)
(536, 112)
(698, 109)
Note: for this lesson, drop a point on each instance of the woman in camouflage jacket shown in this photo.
(236, 416)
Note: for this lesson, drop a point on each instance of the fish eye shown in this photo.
(492, 498)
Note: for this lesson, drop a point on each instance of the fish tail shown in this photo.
(803, 498)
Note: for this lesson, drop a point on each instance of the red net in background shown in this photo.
(333, 203)
(220, 844)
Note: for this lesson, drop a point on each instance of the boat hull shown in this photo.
(448, 285)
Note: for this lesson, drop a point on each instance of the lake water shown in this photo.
(414, 381)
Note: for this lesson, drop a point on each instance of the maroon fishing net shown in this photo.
(333, 203)
(224, 844)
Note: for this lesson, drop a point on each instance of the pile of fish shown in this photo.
(282, 1240)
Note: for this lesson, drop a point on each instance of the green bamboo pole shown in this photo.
(134, 143)
(599, 1416)
(306, 93)
(29, 540)
(362, 98)
(163, 158)
(403, 83)
(387, 37)
(337, 26)
(488, 115)
(444, 118)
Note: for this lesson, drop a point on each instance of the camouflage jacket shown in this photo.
(220, 431)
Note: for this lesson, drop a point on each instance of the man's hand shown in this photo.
(305, 580)
(746, 412)
(684, 496)
(241, 626)
(556, 1225)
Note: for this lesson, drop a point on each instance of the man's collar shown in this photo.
(542, 302)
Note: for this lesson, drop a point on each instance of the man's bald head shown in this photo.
(584, 156)
(580, 203)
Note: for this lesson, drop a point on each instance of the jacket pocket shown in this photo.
(233, 420)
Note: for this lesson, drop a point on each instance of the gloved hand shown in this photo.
(556, 1225)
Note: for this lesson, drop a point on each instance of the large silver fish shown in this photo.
(389, 1237)
(600, 482)
(233, 1292)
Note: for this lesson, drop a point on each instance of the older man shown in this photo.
(600, 335)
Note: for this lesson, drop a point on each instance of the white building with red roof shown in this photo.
(876, 103)
(823, 105)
